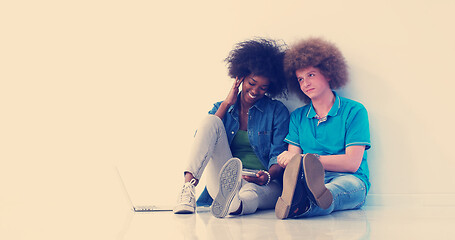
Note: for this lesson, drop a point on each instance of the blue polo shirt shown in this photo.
(346, 125)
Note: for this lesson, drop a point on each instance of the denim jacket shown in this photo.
(268, 125)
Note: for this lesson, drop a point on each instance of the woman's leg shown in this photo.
(256, 197)
(210, 152)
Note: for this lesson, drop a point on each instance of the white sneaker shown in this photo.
(186, 202)
(230, 180)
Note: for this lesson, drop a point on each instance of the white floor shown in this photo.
(95, 207)
(368, 223)
(120, 223)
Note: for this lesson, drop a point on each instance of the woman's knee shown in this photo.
(212, 120)
(210, 123)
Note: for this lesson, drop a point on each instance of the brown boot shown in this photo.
(314, 181)
(294, 200)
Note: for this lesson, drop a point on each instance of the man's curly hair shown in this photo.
(261, 57)
(318, 53)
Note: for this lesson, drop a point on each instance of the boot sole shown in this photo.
(230, 175)
(289, 182)
(314, 177)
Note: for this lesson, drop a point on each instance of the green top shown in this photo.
(241, 148)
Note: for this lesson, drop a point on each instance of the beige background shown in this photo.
(87, 86)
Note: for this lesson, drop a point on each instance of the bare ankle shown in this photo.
(189, 176)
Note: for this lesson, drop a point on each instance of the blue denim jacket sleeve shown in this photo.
(215, 108)
(280, 130)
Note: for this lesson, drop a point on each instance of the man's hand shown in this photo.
(284, 158)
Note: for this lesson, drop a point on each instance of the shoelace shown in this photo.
(187, 191)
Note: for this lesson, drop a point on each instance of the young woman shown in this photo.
(325, 165)
(246, 130)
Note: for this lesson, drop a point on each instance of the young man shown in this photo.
(325, 165)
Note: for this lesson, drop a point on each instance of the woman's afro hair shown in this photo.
(260, 57)
(318, 53)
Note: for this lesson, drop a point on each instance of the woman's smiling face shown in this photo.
(254, 88)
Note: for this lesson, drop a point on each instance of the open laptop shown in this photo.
(146, 208)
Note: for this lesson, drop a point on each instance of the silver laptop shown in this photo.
(145, 208)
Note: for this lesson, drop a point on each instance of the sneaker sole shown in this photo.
(183, 209)
(230, 175)
(314, 177)
(289, 182)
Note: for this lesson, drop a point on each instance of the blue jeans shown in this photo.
(349, 192)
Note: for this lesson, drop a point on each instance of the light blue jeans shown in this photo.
(349, 192)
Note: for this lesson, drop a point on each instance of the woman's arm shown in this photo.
(275, 171)
(348, 162)
(279, 132)
(222, 110)
(230, 99)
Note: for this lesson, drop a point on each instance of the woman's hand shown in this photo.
(232, 96)
(230, 99)
(261, 178)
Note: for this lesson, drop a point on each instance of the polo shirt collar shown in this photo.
(333, 111)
